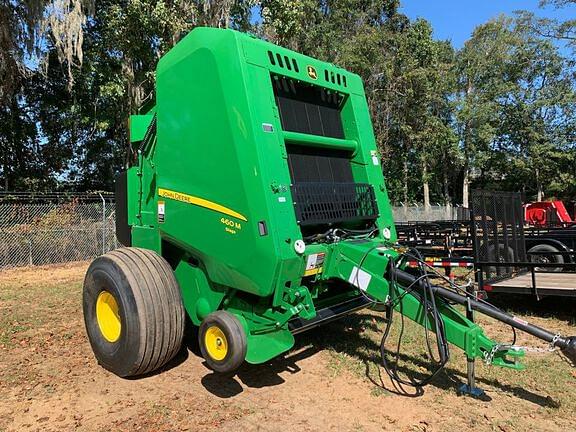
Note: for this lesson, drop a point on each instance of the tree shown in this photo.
(75, 104)
(498, 113)
(554, 29)
(26, 28)
(538, 111)
(482, 80)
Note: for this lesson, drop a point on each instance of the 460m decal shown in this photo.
(201, 202)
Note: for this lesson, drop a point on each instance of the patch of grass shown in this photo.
(32, 307)
(546, 387)
(161, 410)
(378, 391)
(11, 327)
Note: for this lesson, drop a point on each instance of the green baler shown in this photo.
(255, 205)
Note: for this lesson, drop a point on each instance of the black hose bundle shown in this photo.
(428, 301)
(421, 288)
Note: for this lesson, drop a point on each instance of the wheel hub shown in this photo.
(108, 316)
(216, 343)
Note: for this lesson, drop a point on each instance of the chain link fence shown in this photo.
(38, 229)
(438, 212)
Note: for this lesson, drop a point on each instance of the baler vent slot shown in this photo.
(295, 64)
(283, 62)
(327, 203)
(271, 57)
(335, 78)
(307, 108)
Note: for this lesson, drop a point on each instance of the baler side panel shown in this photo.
(275, 174)
(207, 153)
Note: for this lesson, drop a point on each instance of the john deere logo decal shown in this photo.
(312, 72)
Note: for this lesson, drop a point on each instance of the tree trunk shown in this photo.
(466, 180)
(426, 186)
(465, 186)
(445, 182)
(539, 187)
(405, 180)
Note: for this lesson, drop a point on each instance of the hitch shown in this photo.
(506, 356)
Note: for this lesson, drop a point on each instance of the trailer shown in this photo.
(452, 240)
(443, 238)
(510, 258)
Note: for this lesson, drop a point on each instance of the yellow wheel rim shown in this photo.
(108, 316)
(216, 343)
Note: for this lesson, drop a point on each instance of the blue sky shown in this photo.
(456, 19)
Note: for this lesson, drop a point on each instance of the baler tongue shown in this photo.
(364, 265)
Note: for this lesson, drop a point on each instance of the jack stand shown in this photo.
(470, 389)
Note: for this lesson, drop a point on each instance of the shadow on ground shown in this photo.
(347, 336)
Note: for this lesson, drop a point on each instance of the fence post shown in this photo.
(103, 223)
(29, 248)
(29, 221)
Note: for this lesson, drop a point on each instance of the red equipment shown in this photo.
(547, 213)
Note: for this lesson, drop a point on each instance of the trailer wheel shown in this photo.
(548, 258)
(504, 255)
(222, 341)
(133, 311)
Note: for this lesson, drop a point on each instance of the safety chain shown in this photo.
(551, 347)
(488, 357)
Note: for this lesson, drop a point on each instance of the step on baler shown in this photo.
(254, 207)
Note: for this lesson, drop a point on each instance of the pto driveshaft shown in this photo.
(566, 344)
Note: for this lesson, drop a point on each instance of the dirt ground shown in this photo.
(49, 379)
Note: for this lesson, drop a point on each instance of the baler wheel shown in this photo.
(133, 311)
(222, 341)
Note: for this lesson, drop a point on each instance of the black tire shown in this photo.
(149, 311)
(505, 255)
(552, 258)
(234, 339)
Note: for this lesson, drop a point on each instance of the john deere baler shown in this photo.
(255, 205)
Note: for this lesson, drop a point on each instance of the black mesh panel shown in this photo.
(324, 190)
(308, 109)
(316, 165)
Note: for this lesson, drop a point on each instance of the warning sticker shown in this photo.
(314, 264)
(359, 278)
(161, 211)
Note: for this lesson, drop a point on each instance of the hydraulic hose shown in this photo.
(428, 300)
